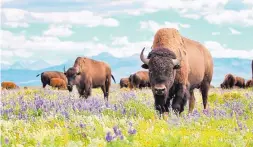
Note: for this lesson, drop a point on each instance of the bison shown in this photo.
(139, 79)
(228, 82)
(249, 83)
(240, 82)
(177, 65)
(47, 75)
(124, 82)
(87, 74)
(9, 85)
(58, 83)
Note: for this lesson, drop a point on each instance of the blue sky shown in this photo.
(58, 30)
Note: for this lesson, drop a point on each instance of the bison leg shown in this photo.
(180, 98)
(191, 101)
(204, 91)
(104, 92)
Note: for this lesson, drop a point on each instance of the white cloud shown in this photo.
(154, 26)
(242, 17)
(59, 30)
(48, 47)
(215, 33)
(16, 24)
(95, 38)
(220, 51)
(234, 31)
(191, 16)
(249, 2)
(86, 18)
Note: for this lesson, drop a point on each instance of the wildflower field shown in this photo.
(46, 117)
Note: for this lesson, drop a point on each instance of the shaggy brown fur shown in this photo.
(58, 83)
(87, 74)
(124, 82)
(140, 79)
(196, 65)
(228, 82)
(240, 82)
(47, 75)
(9, 85)
(249, 83)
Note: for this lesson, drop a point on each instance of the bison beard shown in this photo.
(160, 62)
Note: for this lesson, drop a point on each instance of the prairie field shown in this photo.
(47, 117)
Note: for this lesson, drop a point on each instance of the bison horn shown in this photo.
(143, 59)
(177, 61)
(64, 69)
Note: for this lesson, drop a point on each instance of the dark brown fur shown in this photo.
(140, 79)
(47, 75)
(240, 82)
(124, 82)
(229, 82)
(87, 74)
(9, 85)
(249, 83)
(195, 71)
(58, 83)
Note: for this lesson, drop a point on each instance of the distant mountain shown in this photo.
(29, 65)
(123, 67)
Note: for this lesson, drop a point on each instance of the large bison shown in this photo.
(249, 83)
(47, 75)
(139, 79)
(58, 83)
(124, 82)
(9, 85)
(240, 82)
(177, 65)
(228, 82)
(87, 74)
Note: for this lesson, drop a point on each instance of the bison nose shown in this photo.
(70, 88)
(160, 91)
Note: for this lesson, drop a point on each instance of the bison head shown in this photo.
(162, 65)
(73, 76)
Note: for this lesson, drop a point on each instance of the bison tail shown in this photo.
(113, 79)
(39, 74)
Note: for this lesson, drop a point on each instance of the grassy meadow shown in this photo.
(47, 117)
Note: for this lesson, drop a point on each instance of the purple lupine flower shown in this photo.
(108, 137)
(82, 125)
(132, 131)
(6, 140)
(38, 103)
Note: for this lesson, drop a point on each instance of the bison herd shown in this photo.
(175, 67)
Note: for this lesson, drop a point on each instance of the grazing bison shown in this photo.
(124, 82)
(249, 83)
(139, 79)
(87, 74)
(58, 83)
(177, 65)
(240, 82)
(25, 87)
(47, 75)
(228, 82)
(9, 85)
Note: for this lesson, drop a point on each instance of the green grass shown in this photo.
(59, 121)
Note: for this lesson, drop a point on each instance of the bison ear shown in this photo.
(177, 66)
(145, 66)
